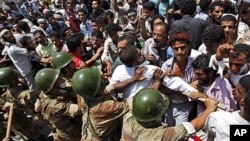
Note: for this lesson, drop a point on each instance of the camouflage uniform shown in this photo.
(102, 118)
(134, 131)
(24, 111)
(64, 118)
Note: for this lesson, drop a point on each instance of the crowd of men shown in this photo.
(129, 70)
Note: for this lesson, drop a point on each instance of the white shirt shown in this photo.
(19, 57)
(122, 73)
(218, 124)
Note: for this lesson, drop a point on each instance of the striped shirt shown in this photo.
(189, 73)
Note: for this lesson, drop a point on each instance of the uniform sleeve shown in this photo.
(72, 110)
(175, 133)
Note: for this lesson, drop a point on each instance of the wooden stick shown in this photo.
(9, 121)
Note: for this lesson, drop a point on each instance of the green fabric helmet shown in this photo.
(86, 82)
(61, 59)
(7, 76)
(149, 104)
(45, 79)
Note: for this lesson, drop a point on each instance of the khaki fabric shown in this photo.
(24, 112)
(102, 120)
(63, 117)
(134, 131)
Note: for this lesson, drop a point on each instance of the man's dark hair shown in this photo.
(109, 14)
(187, 7)
(213, 33)
(24, 26)
(49, 15)
(82, 11)
(202, 62)
(204, 4)
(240, 49)
(214, 4)
(228, 18)
(149, 6)
(127, 38)
(38, 31)
(98, 34)
(112, 27)
(244, 82)
(128, 56)
(73, 42)
(102, 20)
(54, 34)
(23, 40)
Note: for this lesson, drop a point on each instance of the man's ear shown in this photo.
(209, 12)
(242, 102)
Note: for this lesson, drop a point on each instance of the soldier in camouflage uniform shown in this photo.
(23, 101)
(143, 123)
(58, 106)
(102, 117)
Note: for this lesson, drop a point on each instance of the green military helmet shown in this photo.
(149, 104)
(61, 59)
(45, 79)
(7, 76)
(86, 82)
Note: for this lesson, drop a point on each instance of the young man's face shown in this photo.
(181, 50)
(202, 77)
(146, 12)
(238, 64)
(56, 41)
(96, 42)
(228, 26)
(41, 39)
(82, 16)
(95, 5)
(8, 36)
(95, 26)
(216, 14)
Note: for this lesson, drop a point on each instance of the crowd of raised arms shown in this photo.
(123, 70)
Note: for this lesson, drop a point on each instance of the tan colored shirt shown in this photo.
(133, 131)
(104, 116)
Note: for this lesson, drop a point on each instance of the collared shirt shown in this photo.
(20, 58)
(218, 124)
(189, 73)
(221, 90)
(201, 15)
(194, 28)
(47, 50)
(87, 30)
(110, 51)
